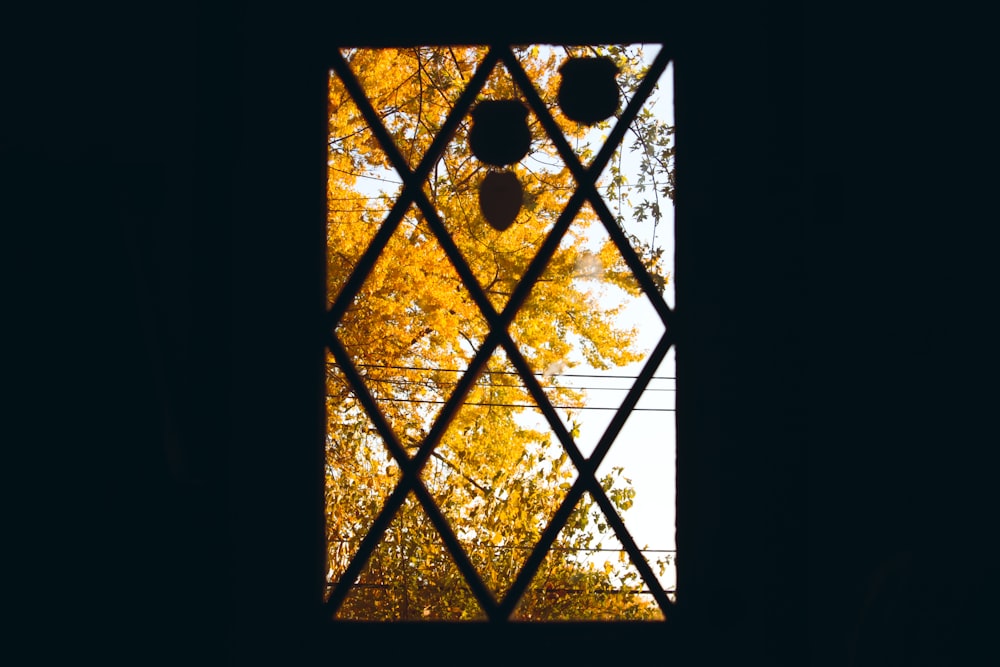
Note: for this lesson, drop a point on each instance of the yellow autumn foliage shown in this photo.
(412, 328)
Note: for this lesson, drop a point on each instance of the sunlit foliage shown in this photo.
(496, 475)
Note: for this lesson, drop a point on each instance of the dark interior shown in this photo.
(163, 179)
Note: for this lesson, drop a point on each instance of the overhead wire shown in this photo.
(522, 405)
(424, 383)
(525, 547)
(403, 381)
(543, 374)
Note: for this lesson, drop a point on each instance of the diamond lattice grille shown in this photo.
(436, 351)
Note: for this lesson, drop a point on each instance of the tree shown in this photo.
(412, 328)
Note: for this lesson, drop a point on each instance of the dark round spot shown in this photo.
(500, 197)
(500, 134)
(588, 92)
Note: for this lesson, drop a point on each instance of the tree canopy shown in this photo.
(411, 328)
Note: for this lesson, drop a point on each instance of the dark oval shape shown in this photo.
(500, 198)
(500, 135)
(588, 92)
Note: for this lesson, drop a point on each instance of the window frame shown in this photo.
(289, 568)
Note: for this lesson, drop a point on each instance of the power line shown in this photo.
(403, 381)
(522, 405)
(595, 591)
(526, 547)
(356, 174)
(356, 210)
(424, 383)
(358, 198)
(519, 547)
(492, 372)
(395, 182)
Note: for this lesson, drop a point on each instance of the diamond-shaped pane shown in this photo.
(587, 139)
(498, 475)
(410, 576)
(410, 328)
(595, 325)
(587, 575)
(498, 258)
(414, 89)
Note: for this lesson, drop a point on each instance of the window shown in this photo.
(498, 286)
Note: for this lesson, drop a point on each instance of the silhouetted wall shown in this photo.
(155, 162)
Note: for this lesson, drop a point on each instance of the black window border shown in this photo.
(286, 176)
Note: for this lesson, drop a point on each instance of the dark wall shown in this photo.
(116, 310)
(155, 162)
(896, 302)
